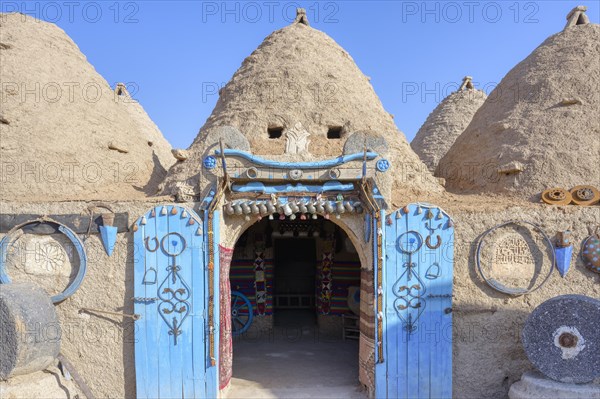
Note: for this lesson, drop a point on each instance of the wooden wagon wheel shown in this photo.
(241, 313)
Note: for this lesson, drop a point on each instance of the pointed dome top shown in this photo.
(539, 128)
(299, 74)
(66, 134)
(298, 78)
(446, 122)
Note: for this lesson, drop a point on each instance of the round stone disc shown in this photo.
(561, 338)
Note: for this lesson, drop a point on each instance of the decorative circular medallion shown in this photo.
(515, 245)
(585, 195)
(334, 173)
(210, 162)
(295, 174)
(173, 244)
(556, 196)
(252, 173)
(51, 255)
(383, 165)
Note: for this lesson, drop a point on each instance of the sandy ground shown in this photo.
(293, 361)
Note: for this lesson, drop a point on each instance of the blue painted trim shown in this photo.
(329, 163)
(257, 187)
(77, 243)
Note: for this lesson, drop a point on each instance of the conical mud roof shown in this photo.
(446, 122)
(299, 75)
(65, 133)
(540, 127)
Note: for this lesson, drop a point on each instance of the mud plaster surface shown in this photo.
(488, 356)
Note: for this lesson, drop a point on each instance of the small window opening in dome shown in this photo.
(275, 132)
(334, 132)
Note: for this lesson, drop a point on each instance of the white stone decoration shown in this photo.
(296, 140)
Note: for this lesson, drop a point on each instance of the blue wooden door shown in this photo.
(174, 274)
(414, 358)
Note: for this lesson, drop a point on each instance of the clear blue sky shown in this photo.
(172, 53)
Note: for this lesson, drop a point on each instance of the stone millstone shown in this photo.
(30, 333)
(561, 338)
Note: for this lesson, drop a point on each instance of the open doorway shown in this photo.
(295, 290)
(301, 279)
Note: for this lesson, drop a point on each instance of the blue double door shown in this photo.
(175, 278)
(414, 303)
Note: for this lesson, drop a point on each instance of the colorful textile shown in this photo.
(326, 277)
(226, 345)
(260, 279)
(243, 278)
(346, 274)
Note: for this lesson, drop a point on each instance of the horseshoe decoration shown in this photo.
(438, 242)
(156, 244)
(438, 239)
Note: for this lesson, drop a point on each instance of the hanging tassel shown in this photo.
(199, 231)
(439, 215)
(406, 210)
(192, 221)
(450, 223)
(419, 210)
(174, 211)
(184, 214)
(163, 211)
(135, 227)
(153, 213)
(429, 214)
(398, 215)
(143, 220)
(388, 220)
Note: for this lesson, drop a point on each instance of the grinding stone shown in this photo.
(561, 338)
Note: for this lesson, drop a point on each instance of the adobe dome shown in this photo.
(65, 133)
(298, 75)
(446, 122)
(539, 128)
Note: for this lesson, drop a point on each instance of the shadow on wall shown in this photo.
(156, 177)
